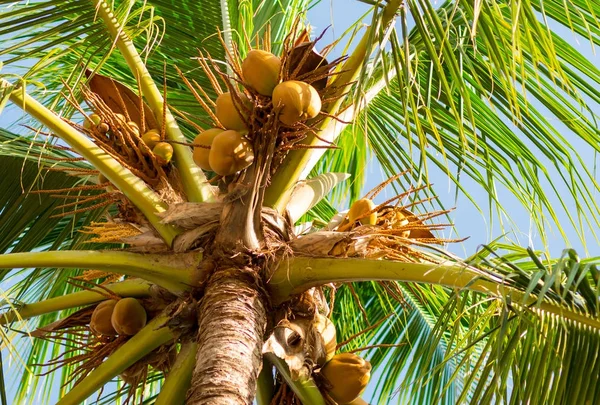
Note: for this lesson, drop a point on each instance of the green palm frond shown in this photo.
(472, 97)
(467, 347)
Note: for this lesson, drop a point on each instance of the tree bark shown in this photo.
(232, 321)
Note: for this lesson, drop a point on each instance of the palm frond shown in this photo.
(472, 97)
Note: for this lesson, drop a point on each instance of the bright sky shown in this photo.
(340, 14)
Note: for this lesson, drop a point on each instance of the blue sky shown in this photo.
(339, 15)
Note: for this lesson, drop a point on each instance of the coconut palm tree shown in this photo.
(221, 284)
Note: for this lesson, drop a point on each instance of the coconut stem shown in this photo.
(194, 182)
(282, 184)
(306, 390)
(173, 272)
(130, 185)
(265, 387)
(127, 288)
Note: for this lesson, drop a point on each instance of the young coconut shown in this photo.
(326, 330)
(348, 375)
(299, 101)
(228, 114)
(128, 317)
(229, 153)
(360, 208)
(134, 127)
(92, 121)
(204, 139)
(260, 71)
(151, 138)
(100, 323)
(164, 151)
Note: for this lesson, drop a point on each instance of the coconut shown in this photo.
(92, 121)
(326, 330)
(128, 317)
(228, 114)
(205, 139)
(348, 375)
(164, 151)
(360, 208)
(103, 127)
(151, 138)
(229, 153)
(298, 101)
(260, 71)
(400, 221)
(101, 318)
(134, 127)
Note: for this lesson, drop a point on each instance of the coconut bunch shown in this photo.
(305, 338)
(97, 331)
(265, 105)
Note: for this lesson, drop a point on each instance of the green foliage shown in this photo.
(474, 90)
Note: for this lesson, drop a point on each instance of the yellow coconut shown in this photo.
(103, 127)
(92, 121)
(134, 127)
(229, 153)
(326, 330)
(360, 208)
(260, 71)
(201, 154)
(298, 101)
(348, 375)
(128, 317)
(151, 138)
(164, 151)
(101, 318)
(228, 114)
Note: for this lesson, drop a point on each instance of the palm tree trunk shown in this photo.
(232, 316)
(232, 321)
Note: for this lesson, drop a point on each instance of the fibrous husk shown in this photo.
(294, 341)
(260, 70)
(304, 59)
(231, 115)
(201, 153)
(120, 99)
(298, 101)
(101, 318)
(128, 317)
(189, 215)
(347, 376)
(230, 153)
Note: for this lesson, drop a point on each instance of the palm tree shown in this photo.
(235, 272)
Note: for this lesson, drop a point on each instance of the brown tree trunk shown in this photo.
(231, 332)
(232, 315)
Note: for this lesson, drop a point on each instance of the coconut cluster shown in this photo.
(125, 317)
(163, 151)
(227, 148)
